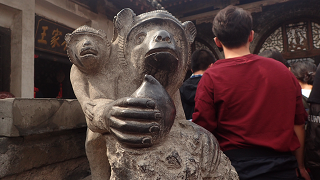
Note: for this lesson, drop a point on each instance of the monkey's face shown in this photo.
(88, 51)
(158, 47)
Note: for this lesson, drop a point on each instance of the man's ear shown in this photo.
(218, 42)
(251, 36)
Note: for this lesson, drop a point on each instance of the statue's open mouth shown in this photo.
(88, 51)
(162, 59)
(155, 52)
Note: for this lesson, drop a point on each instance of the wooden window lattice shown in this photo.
(299, 39)
(316, 35)
(297, 36)
(275, 40)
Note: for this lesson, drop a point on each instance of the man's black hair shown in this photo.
(274, 54)
(201, 59)
(232, 26)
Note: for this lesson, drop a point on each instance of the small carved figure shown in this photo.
(144, 129)
(89, 49)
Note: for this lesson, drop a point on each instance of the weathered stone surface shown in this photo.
(146, 135)
(74, 169)
(87, 178)
(19, 154)
(188, 152)
(21, 117)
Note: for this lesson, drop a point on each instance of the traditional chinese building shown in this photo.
(46, 136)
(291, 26)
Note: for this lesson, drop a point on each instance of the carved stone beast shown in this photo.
(141, 132)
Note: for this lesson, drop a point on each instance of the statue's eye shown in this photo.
(140, 37)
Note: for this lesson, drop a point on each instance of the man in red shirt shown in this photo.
(251, 104)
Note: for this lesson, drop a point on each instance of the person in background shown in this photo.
(304, 71)
(252, 105)
(274, 54)
(201, 60)
(313, 129)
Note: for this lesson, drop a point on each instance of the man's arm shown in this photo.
(204, 111)
(299, 153)
(299, 123)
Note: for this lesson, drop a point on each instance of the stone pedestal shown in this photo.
(42, 139)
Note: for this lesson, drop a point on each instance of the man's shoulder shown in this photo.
(269, 61)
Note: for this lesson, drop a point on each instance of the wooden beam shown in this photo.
(251, 7)
(301, 54)
(182, 9)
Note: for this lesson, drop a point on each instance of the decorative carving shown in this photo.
(316, 35)
(297, 36)
(275, 40)
(142, 129)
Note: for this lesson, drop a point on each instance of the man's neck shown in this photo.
(198, 72)
(236, 52)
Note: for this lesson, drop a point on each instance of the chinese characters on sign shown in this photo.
(49, 36)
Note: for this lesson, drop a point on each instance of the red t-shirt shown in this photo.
(250, 102)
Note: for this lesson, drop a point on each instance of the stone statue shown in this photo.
(128, 90)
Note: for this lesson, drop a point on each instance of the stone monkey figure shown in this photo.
(89, 50)
(145, 132)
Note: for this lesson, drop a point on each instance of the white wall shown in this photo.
(18, 15)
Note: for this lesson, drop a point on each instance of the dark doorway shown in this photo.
(52, 77)
(5, 59)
